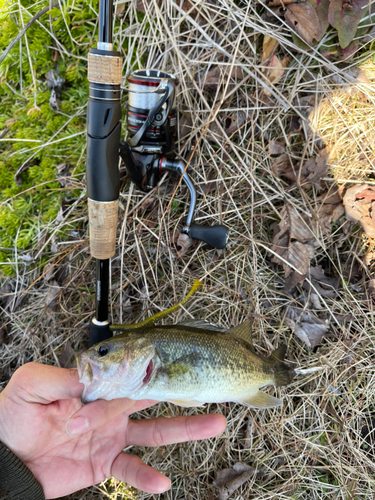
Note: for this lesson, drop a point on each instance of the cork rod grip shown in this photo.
(103, 223)
(104, 69)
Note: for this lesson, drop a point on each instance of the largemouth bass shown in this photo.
(182, 364)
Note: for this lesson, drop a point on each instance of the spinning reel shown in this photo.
(148, 152)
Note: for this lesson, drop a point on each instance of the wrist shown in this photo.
(16, 479)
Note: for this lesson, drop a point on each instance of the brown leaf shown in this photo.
(295, 225)
(303, 19)
(269, 47)
(276, 148)
(188, 6)
(312, 172)
(324, 285)
(329, 210)
(294, 246)
(332, 197)
(231, 122)
(298, 255)
(292, 281)
(52, 298)
(357, 210)
(22, 169)
(352, 78)
(366, 196)
(283, 166)
(183, 244)
(219, 74)
(229, 480)
(212, 184)
(306, 326)
(276, 69)
(67, 356)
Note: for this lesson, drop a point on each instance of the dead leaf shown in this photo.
(120, 7)
(313, 170)
(303, 19)
(276, 148)
(352, 77)
(67, 356)
(324, 285)
(294, 245)
(315, 300)
(184, 242)
(283, 166)
(358, 203)
(212, 184)
(229, 480)
(298, 256)
(22, 169)
(219, 74)
(295, 225)
(52, 298)
(306, 326)
(276, 69)
(269, 47)
(330, 210)
(230, 122)
(249, 433)
(62, 173)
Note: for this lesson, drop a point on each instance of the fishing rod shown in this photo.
(102, 174)
(147, 153)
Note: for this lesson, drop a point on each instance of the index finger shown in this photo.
(162, 431)
(37, 383)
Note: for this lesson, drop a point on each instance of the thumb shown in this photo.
(37, 383)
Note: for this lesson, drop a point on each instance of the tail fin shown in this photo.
(283, 373)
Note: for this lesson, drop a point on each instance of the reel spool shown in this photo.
(148, 151)
(146, 89)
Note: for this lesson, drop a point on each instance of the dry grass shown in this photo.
(313, 447)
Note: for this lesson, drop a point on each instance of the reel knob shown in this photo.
(215, 236)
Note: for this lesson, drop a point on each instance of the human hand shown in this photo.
(69, 446)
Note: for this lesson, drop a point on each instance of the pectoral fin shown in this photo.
(183, 365)
(186, 403)
(260, 399)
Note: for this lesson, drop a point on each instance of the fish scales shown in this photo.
(224, 365)
(184, 365)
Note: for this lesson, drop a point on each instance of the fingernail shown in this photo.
(77, 425)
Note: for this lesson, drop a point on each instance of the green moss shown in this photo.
(37, 137)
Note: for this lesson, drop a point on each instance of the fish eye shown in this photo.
(103, 350)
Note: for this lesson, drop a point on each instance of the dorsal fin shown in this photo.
(243, 331)
(203, 324)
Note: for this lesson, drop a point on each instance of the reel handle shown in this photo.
(215, 236)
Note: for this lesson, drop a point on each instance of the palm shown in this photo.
(69, 463)
(33, 424)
